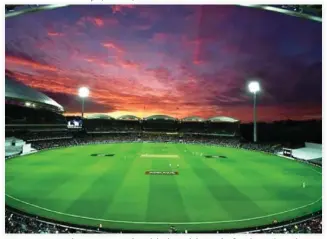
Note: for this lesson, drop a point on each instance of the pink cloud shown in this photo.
(121, 8)
(160, 72)
(129, 64)
(111, 45)
(97, 21)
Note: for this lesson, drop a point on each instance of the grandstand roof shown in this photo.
(100, 116)
(128, 117)
(192, 118)
(222, 119)
(164, 117)
(15, 90)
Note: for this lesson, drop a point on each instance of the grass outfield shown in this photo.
(244, 189)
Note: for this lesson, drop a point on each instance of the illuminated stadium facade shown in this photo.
(28, 109)
(27, 96)
(219, 125)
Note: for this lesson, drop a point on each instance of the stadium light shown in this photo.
(83, 92)
(254, 88)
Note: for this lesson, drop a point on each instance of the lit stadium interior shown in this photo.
(76, 168)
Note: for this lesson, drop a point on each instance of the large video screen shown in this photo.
(74, 123)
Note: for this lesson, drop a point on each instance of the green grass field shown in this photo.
(244, 189)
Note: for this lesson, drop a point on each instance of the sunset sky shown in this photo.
(174, 60)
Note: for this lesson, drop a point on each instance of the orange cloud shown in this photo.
(98, 22)
(55, 34)
(49, 83)
(27, 63)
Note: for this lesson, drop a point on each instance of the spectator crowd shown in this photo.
(19, 223)
(43, 143)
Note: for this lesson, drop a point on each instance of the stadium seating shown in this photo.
(192, 127)
(160, 123)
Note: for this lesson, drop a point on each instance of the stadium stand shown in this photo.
(160, 123)
(127, 123)
(106, 124)
(30, 110)
(36, 122)
(193, 124)
(17, 91)
(30, 114)
(223, 126)
(98, 123)
(16, 222)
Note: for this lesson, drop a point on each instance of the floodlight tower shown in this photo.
(83, 92)
(254, 87)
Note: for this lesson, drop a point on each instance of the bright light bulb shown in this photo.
(83, 92)
(254, 87)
